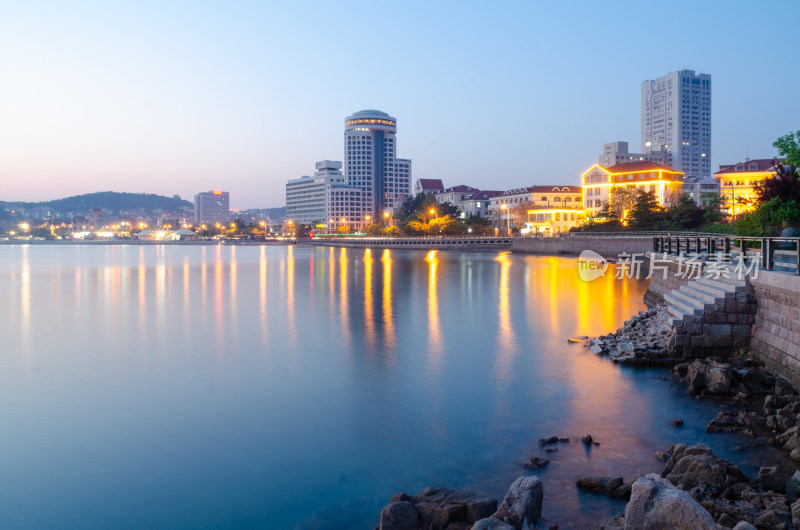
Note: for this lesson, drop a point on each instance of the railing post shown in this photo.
(797, 256)
(727, 248)
(765, 253)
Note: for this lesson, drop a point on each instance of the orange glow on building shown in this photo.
(598, 182)
(737, 184)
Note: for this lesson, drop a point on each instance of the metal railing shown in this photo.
(642, 234)
(780, 254)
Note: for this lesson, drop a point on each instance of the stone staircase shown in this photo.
(701, 295)
(709, 316)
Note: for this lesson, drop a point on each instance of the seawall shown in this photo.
(608, 247)
(421, 243)
(775, 336)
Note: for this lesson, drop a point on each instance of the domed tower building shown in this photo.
(371, 163)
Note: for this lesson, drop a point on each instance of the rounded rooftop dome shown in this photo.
(370, 119)
(370, 112)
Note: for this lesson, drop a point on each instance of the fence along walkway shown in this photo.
(779, 254)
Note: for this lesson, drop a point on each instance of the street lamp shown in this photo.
(508, 217)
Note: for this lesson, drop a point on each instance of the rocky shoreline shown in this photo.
(696, 489)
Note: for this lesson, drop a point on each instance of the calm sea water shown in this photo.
(299, 387)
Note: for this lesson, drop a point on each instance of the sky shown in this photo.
(181, 97)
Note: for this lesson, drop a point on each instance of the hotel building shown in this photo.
(371, 161)
(737, 183)
(676, 120)
(211, 207)
(511, 207)
(306, 197)
(598, 183)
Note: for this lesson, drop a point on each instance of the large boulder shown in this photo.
(771, 478)
(658, 505)
(490, 523)
(522, 505)
(719, 378)
(439, 507)
(696, 466)
(401, 515)
(792, 487)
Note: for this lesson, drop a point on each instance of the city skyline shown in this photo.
(179, 99)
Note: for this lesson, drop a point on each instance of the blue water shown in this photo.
(300, 387)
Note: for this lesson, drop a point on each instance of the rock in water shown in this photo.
(677, 422)
(401, 515)
(771, 479)
(492, 524)
(656, 503)
(522, 505)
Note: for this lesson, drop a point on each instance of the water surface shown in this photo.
(300, 387)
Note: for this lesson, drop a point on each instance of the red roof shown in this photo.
(555, 189)
(484, 195)
(461, 187)
(761, 164)
(431, 184)
(639, 167)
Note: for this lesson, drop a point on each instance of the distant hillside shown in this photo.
(111, 201)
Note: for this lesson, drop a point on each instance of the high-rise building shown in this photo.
(371, 161)
(306, 197)
(211, 207)
(617, 153)
(676, 119)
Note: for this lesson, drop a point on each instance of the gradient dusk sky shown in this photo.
(181, 97)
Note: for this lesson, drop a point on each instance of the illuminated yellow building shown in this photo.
(737, 181)
(598, 181)
(550, 220)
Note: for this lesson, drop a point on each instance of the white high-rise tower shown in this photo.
(676, 119)
(370, 150)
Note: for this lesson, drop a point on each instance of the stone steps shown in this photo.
(698, 296)
(684, 307)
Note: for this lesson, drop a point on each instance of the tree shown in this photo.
(685, 214)
(344, 229)
(374, 230)
(621, 201)
(416, 228)
(784, 185)
(645, 211)
(392, 231)
(789, 146)
(418, 208)
(446, 226)
(476, 220)
(712, 213)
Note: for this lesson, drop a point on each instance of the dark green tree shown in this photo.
(645, 211)
(789, 146)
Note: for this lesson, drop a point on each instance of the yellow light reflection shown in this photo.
(388, 318)
(435, 346)
(369, 322)
(343, 309)
(506, 339)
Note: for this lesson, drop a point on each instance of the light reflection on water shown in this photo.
(194, 386)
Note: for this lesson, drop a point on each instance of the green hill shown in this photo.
(110, 201)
